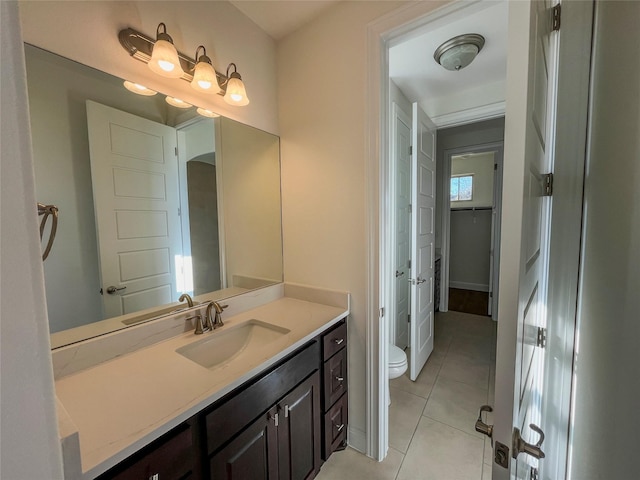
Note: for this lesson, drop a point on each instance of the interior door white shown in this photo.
(423, 193)
(521, 395)
(402, 222)
(134, 171)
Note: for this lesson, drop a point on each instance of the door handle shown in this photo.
(418, 281)
(482, 427)
(111, 290)
(520, 446)
(399, 274)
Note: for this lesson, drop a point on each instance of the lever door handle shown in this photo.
(399, 274)
(112, 289)
(482, 427)
(520, 446)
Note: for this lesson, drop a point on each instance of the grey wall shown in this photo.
(607, 362)
(470, 245)
(479, 133)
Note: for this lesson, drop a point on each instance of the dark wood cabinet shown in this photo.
(335, 398)
(252, 455)
(169, 457)
(277, 426)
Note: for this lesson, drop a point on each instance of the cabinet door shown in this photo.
(253, 455)
(299, 436)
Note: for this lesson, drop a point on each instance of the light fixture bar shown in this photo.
(140, 46)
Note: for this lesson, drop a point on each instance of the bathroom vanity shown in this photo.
(264, 396)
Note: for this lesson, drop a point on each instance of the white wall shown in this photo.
(470, 244)
(29, 435)
(226, 33)
(607, 363)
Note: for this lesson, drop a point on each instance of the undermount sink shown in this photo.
(231, 343)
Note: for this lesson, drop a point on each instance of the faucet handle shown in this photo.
(200, 327)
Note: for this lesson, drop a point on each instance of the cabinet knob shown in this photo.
(155, 476)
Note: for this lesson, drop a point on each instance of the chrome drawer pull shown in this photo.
(339, 427)
(339, 379)
(338, 341)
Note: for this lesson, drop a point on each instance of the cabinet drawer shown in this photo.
(335, 427)
(334, 341)
(335, 378)
(170, 456)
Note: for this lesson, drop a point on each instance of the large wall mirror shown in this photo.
(154, 201)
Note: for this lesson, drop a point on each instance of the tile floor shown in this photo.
(431, 420)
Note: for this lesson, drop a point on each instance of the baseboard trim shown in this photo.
(478, 287)
(357, 439)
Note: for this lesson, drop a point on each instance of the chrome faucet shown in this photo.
(212, 324)
(187, 297)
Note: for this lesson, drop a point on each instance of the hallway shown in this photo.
(431, 421)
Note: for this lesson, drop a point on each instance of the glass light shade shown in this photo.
(176, 102)
(458, 57)
(139, 89)
(207, 113)
(164, 60)
(204, 78)
(236, 93)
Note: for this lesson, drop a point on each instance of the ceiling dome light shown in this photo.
(206, 113)
(139, 89)
(236, 93)
(458, 52)
(204, 75)
(164, 57)
(176, 102)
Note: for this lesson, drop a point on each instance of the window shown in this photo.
(461, 188)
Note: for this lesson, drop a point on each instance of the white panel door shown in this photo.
(134, 172)
(402, 222)
(539, 127)
(423, 242)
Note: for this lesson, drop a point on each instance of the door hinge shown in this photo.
(541, 337)
(547, 180)
(381, 312)
(556, 13)
(408, 263)
(409, 318)
(410, 149)
(175, 150)
(410, 208)
(495, 166)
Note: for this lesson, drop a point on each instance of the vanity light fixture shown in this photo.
(206, 113)
(144, 48)
(139, 89)
(176, 102)
(204, 75)
(236, 93)
(164, 56)
(458, 52)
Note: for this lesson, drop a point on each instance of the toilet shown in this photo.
(397, 362)
(397, 365)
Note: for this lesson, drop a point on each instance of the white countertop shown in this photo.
(121, 405)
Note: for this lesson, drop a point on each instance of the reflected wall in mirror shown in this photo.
(154, 201)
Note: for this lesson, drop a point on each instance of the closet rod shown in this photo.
(471, 208)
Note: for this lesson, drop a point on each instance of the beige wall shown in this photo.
(481, 167)
(322, 75)
(226, 33)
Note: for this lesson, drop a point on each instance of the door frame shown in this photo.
(381, 35)
(445, 239)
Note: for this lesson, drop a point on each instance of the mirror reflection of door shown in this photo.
(152, 246)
